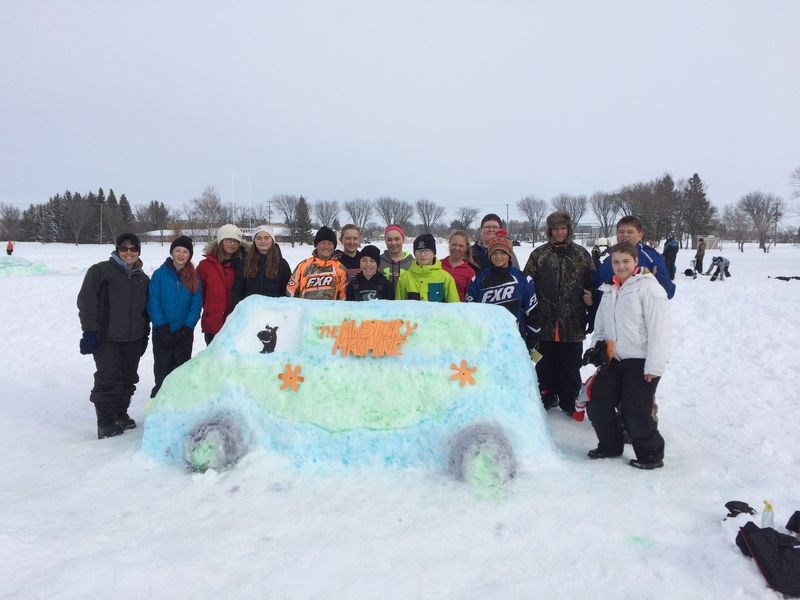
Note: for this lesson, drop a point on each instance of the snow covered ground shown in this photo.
(87, 518)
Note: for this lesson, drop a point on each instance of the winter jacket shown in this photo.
(113, 301)
(463, 274)
(635, 316)
(701, 252)
(351, 264)
(718, 262)
(375, 288)
(649, 259)
(560, 273)
(216, 280)
(480, 255)
(429, 283)
(391, 269)
(170, 303)
(260, 284)
(318, 279)
(514, 290)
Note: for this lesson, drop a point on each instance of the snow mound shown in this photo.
(14, 266)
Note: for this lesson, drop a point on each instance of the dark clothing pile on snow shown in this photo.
(776, 554)
(375, 288)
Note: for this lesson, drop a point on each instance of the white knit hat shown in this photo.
(264, 229)
(229, 232)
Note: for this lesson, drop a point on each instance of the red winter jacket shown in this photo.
(217, 282)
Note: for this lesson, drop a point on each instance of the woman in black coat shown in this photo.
(263, 271)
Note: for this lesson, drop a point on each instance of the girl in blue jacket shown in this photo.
(174, 305)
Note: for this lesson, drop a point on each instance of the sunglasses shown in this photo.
(127, 249)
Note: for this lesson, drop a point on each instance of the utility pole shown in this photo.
(508, 223)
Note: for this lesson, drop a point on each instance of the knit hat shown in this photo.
(184, 242)
(559, 219)
(394, 228)
(229, 232)
(264, 229)
(325, 234)
(371, 252)
(491, 217)
(129, 237)
(425, 242)
(501, 241)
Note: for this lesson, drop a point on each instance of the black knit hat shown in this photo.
(184, 242)
(371, 252)
(129, 237)
(491, 217)
(325, 233)
(425, 242)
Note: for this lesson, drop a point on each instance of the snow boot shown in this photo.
(106, 424)
(549, 400)
(647, 466)
(600, 453)
(121, 417)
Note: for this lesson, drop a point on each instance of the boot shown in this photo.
(121, 417)
(106, 425)
(600, 453)
(647, 466)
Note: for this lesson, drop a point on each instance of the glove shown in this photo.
(182, 334)
(88, 343)
(144, 345)
(596, 355)
(164, 336)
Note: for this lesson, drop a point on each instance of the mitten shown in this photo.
(182, 334)
(88, 343)
(164, 336)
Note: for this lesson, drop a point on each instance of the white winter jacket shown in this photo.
(636, 317)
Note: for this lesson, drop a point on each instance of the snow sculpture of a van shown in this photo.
(380, 383)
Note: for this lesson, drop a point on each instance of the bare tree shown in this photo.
(465, 217)
(286, 204)
(326, 211)
(765, 210)
(359, 210)
(209, 210)
(794, 179)
(77, 212)
(737, 225)
(429, 213)
(10, 217)
(534, 210)
(393, 211)
(574, 206)
(605, 208)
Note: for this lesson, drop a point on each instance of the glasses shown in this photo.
(490, 228)
(232, 241)
(127, 249)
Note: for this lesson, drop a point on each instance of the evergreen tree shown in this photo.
(302, 225)
(666, 198)
(700, 213)
(112, 216)
(128, 220)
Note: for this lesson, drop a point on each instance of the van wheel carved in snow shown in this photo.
(214, 444)
(481, 454)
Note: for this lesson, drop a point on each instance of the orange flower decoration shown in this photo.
(291, 377)
(463, 374)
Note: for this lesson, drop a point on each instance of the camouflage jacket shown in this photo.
(560, 274)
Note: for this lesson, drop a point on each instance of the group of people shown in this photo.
(557, 299)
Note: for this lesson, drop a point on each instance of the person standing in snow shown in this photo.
(174, 305)
(112, 307)
(319, 277)
(459, 263)
(10, 248)
(350, 236)
(699, 255)
(394, 260)
(425, 279)
(490, 225)
(670, 253)
(263, 271)
(217, 272)
(507, 286)
(634, 322)
(562, 273)
(369, 284)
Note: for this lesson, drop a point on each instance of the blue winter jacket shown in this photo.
(170, 302)
(649, 258)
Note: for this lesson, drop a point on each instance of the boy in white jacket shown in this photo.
(633, 318)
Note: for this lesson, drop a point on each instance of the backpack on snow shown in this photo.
(776, 554)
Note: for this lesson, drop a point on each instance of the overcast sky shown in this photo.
(461, 102)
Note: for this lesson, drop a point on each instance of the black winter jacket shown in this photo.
(113, 302)
(376, 288)
(260, 285)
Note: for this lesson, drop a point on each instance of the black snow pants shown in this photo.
(117, 374)
(167, 358)
(559, 371)
(622, 384)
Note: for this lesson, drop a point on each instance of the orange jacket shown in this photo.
(318, 279)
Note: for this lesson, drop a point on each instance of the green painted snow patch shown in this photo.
(641, 541)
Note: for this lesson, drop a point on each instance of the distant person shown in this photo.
(10, 248)
(350, 236)
(263, 271)
(490, 225)
(459, 263)
(369, 283)
(507, 286)
(562, 273)
(670, 253)
(395, 259)
(596, 254)
(722, 265)
(112, 307)
(699, 255)
(634, 322)
(174, 307)
(319, 277)
(217, 272)
(425, 279)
